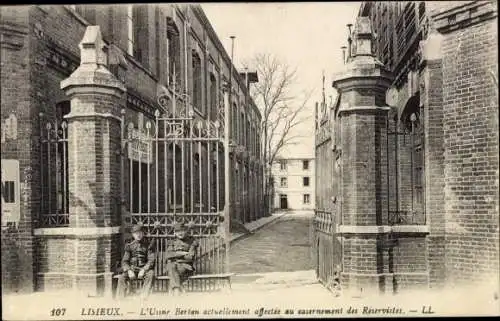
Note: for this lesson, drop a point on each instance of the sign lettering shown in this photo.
(140, 147)
(11, 209)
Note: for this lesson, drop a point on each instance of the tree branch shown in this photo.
(281, 110)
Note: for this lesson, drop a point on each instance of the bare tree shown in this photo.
(281, 109)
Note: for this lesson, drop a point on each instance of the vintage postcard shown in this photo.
(249, 160)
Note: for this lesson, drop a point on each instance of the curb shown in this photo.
(242, 236)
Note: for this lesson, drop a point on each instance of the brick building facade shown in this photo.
(65, 197)
(414, 139)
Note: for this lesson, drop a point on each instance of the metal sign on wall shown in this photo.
(140, 147)
(11, 203)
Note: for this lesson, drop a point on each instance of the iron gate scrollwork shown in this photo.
(173, 171)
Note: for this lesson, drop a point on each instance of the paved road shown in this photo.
(282, 246)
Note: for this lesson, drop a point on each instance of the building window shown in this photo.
(196, 182)
(175, 166)
(197, 82)
(252, 140)
(307, 199)
(138, 190)
(283, 165)
(257, 140)
(235, 123)
(414, 136)
(137, 32)
(247, 134)
(305, 181)
(452, 18)
(130, 30)
(305, 165)
(241, 133)
(421, 9)
(173, 52)
(213, 97)
(283, 182)
(418, 178)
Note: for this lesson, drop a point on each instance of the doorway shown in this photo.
(283, 201)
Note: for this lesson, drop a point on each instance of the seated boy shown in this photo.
(180, 256)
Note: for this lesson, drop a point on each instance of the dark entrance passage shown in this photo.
(283, 201)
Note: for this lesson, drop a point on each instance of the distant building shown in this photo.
(294, 183)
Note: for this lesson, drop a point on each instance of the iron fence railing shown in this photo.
(54, 204)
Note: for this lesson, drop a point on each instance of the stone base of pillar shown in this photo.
(384, 262)
(437, 261)
(81, 259)
(95, 285)
(361, 284)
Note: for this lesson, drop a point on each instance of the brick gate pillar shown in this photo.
(363, 116)
(94, 144)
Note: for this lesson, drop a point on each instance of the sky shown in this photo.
(306, 35)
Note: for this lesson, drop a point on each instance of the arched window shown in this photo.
(234, 124)
(247, 134)
(197, 201)
(174, 173)
(173, 53)
(213, 98)
(197, 81)
(412, 126)
(138, 33)
(241, 132)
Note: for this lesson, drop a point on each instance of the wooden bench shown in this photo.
(221, 276)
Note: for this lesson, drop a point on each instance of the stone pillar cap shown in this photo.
(93, 61)
(92, 47)
(363, 26)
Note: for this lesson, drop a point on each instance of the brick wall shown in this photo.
(365, 168)
(432, 98)
(361, 263)
(409, 262)
(471, 153)
(17, 242)
(348, 133)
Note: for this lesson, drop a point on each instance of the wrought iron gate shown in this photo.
(173, 171)
(328, 245)
(328, 251)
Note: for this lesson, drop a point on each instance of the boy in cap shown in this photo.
(137, 263)
(180, 256)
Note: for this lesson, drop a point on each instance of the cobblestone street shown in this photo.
(281, 246)
(276, 257)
